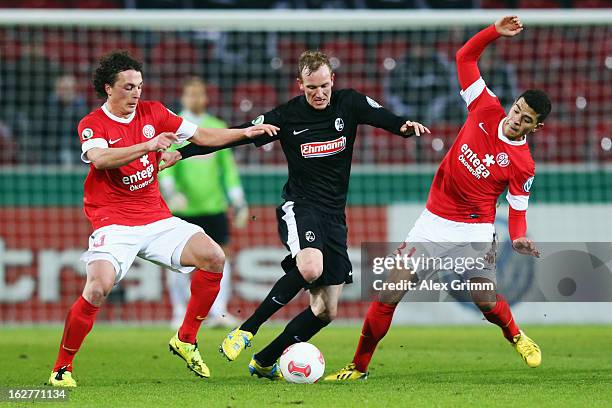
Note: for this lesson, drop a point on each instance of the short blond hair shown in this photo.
(311, 61)
(194, 80)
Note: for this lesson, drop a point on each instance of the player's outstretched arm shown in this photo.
(103, 159)
(468, 55)
(222, 137)
(370, 112)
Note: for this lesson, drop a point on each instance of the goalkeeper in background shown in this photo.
(204, 204)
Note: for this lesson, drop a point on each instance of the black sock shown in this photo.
(282, 292)
(301, 328)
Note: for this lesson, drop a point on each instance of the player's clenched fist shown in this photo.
(169, 159)
(162, 141)
(258, 130)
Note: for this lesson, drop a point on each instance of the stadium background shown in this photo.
(403, 59)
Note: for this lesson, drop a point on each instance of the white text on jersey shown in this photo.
(473, 163)
(321, 149)
(146, 174)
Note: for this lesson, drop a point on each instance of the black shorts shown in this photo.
(302, 227)
(215, 226)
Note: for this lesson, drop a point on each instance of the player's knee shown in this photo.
(96, 292)
(311, 271)
(327, 314)
(212, 261)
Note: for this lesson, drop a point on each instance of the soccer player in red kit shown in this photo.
(124, 142)
(489, 155)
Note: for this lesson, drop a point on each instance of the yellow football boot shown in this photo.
(190, 353)
(272, 372)
(62, 378)
(347, 373)
(528, 349)
(236, 341)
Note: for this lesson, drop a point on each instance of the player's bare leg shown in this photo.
(308, 268)
(496, 310)
(80, 319)
(208, 258)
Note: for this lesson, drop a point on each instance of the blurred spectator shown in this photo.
(206, 4)
(420, 87)
(318, 4)
(29, 78)
(158, 4)
(453, 4)
(60, 117)
(499, 76)
(394, 4)
(25, 82)
(7, 145)
(14, 129)
(204, 204)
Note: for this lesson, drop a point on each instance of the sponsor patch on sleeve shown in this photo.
(373, 103)
(258, 120)
(528, 183)
(87, 133)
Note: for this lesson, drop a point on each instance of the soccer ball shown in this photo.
(302, 363)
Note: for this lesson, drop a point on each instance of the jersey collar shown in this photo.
(191, 117)
(503, 138)
(117, 118)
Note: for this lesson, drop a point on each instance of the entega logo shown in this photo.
(322, 149)
(476, 166)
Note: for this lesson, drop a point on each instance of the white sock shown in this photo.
(219, 308)
(179, 292)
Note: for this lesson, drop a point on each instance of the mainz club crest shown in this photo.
(502, 159)
(148, 131)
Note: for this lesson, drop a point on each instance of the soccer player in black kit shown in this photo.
(317, 134)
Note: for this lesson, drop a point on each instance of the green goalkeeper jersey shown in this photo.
(205, 181)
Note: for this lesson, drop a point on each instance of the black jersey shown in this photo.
(318, 144)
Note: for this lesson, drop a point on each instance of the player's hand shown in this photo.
(525, 246)
(509, 26)
(415, 128)
(241, 216)
(258, 130)
(162, 141)
(169, 159)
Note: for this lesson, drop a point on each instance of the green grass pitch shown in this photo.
(414, 366)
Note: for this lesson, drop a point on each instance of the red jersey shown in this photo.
(482, 162)
(128, 195)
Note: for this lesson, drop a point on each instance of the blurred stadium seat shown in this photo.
(252, 98)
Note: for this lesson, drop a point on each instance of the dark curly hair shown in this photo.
(108, 68)
(538, 101)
